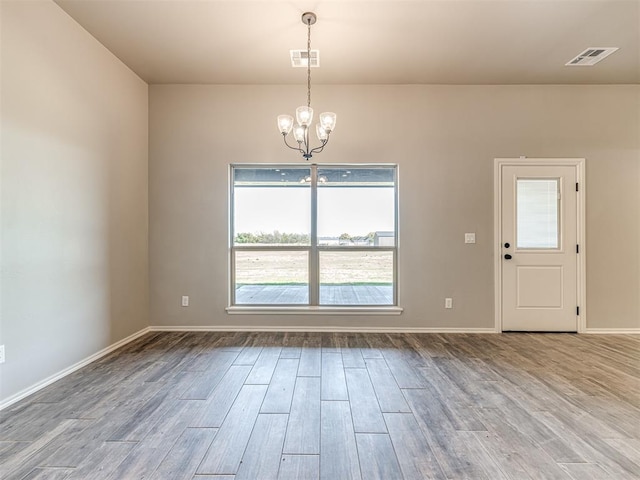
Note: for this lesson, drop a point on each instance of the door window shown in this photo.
(537, 207)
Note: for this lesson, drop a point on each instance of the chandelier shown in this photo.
(304, 114)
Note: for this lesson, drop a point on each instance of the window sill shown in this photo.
(306, 310)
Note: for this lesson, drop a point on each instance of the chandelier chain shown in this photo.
(309, 63)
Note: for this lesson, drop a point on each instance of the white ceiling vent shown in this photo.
(299, 58)
(591, 56)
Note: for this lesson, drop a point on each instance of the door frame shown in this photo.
(579, 164)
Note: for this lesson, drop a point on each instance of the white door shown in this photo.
(539, 250)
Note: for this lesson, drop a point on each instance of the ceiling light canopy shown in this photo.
(304, 114)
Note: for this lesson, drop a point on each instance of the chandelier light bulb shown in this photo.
(328, 121)
(299, 133)
(321, 132)
(304, 115)
(285, 124)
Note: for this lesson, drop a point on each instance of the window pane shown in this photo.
(271, 278)
(356, 206)
(271, 206)
(537, 213)
(356, 278)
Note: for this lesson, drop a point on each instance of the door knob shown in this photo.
(507, 257)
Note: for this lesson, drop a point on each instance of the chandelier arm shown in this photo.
(284, 137)
(321, 147)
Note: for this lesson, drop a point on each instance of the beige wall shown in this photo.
(445, 139)
(74, 195)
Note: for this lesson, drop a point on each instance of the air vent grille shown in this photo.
(299, 58)
(591, 56)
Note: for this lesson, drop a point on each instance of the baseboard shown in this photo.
(613, 331)
(245, 328)
(63, 373)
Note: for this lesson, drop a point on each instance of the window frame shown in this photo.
(313, 248)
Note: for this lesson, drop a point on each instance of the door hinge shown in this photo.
(577, 248)
(577, 189)
(578, 311)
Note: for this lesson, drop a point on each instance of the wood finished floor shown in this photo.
(299, 406)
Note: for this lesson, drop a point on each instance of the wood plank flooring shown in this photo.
(305, 406)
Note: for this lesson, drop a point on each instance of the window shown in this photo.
(315, 235)
(537, 216)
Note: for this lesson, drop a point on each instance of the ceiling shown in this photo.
(367, 42)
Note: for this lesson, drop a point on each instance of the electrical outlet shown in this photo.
(185, 300)
(469, 238)
(1, 353)
(448, 303)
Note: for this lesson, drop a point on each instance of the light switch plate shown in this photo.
(185, 301)
(469, 238)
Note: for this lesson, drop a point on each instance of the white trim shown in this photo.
(579, 164)
(63, 373)
(312, 310)
(497, 244)
(613, 331)
(582, 241)
(251, 328)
